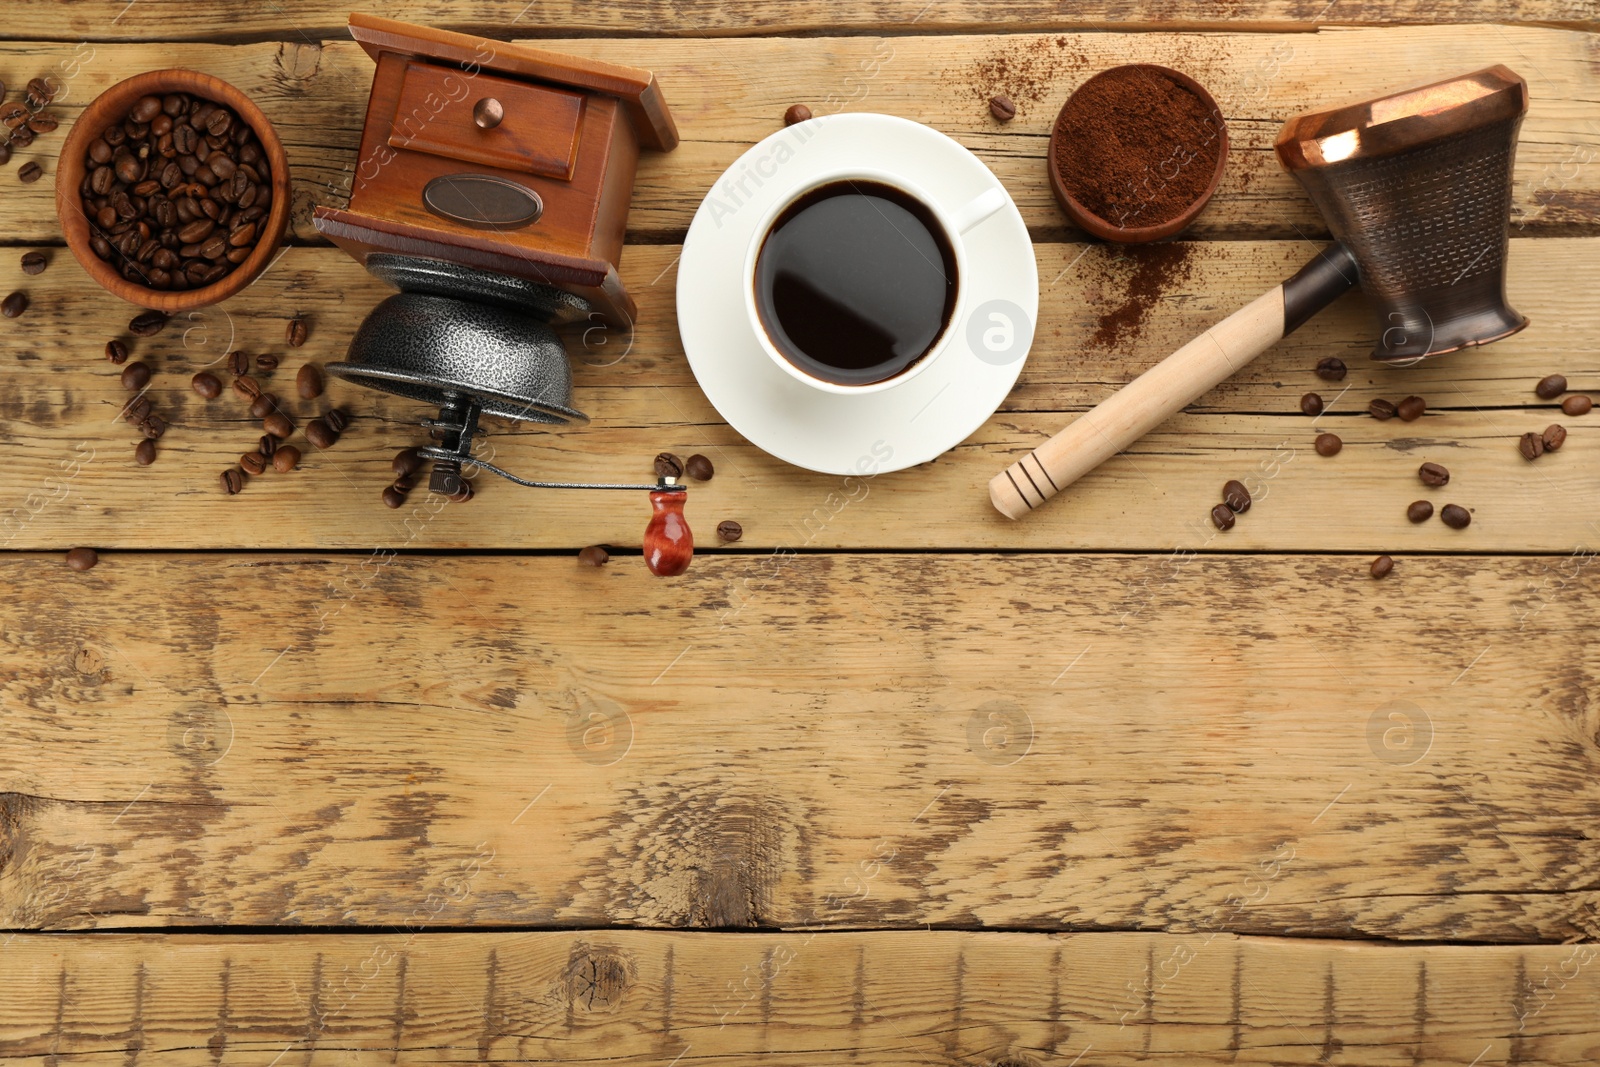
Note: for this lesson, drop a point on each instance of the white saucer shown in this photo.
(904, 425)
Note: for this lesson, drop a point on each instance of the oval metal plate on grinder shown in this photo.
(482, 200)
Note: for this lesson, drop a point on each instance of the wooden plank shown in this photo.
(60, 410)
(728, 94)
(636, 997)
(1259, 744)
(164, 20)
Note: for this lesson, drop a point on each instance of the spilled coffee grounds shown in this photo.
(1136, 148)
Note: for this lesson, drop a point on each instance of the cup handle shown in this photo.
(979, 208)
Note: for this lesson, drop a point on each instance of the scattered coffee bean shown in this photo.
(147, 323)
(267, 361)
(308, 383)
(206, 384)
(39, 93)
(30, 171)
(296, 333)
(668, 466)
(152, 426)
(137, 409)
(392, 497)
(5, 154)
(247, 387)
(286, 459)
(1576, 405)
(1328, 444)
(263, 405)
(14, 305)
(144, 453)
(1236, 496)
(1222, 517)
(117, 352)
(729, 530)
(1331, 369)
(405, 485)
(136, 376)
(594, 555)
(1455, 516)
(318, 433)
(796, 113)
(1311, 404)
(1550, 387)
(1433, 474)
(278, 424)
(1531, 446)
(232, 481)
(1381, 409)
(406, 462)
(253, 462)
(1554, 436)
(239, 363)
(1381, 567)
(337, 420)
(267, 445)
(1411, 408)
(1002, 108)
(44, 123)
(81, 559)
(699, 468)
(1419, 510)
(34, 262)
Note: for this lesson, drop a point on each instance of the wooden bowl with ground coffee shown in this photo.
(1136, 152)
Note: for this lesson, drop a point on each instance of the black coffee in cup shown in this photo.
(855, 282)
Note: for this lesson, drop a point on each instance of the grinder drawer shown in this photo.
(537, 132)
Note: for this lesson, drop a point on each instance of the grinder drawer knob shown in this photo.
(488, 113)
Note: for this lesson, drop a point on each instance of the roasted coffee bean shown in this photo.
(267, 361)
(699, 468)
(247, 387)
(232, 480)
(145, 108)
(1331, 369)
(239, 362)
(278, 425)
(152, 426)
(296, 332)
(22, 136)
(14, 115)
(1222, 517)
(5, 154)
(668, 466)
(796, 113)
(1531, 446)
(1550, 387)
(267, 445)
(253, 462)
(1328, 444)
(337, 420)
(1236, 496)
(405, 485)
(30, 171)
(262, 405)
(729, 530)
(148, 323)
(136, 376)
(406, 462)
(206, 384)
(144, 453)
(1411, 408)
(393, 498)
(1455, 516)
(40, 92)
(81, 559)
(1311, 404)
(285, 459)
(116, 352)
(1576, 405)
(43, 124)
(1419, 510)
(1002, 108)
(14, 305)
(594, 556)
(318, 433)
(34, 262)
(1554, 436)
(1433, 474)
(308, 382)
(1381, 567)
(1381, 409)
(137, 409)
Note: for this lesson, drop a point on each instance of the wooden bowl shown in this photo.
(1111, 231)
(110, 107)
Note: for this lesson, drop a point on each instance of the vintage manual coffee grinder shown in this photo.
(492, 190)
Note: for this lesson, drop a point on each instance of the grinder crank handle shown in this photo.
(1179, 380)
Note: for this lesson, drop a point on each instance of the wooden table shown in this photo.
(292, 778)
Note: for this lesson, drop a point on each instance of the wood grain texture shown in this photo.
(635, 997)
(1259, 744)
(728, 94)
(59, 415)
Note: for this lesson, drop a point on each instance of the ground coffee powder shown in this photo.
(1136, 148)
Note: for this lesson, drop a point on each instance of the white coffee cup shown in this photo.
(955, 223)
